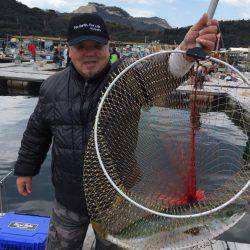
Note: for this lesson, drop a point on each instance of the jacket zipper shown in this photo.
(84, 95)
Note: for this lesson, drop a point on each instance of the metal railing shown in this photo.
(3, 203)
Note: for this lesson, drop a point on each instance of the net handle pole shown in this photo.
(211, 10)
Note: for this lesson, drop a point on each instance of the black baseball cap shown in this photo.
(87, 26)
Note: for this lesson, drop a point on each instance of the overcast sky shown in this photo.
(178, 13)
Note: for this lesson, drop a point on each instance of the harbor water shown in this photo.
(14, 114)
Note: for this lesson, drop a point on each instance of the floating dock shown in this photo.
(25, 78)
(26, 75)
(236, 91)
(26, 71)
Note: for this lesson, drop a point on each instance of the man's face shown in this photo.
(89, 57)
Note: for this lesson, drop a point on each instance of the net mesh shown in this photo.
(176, 146)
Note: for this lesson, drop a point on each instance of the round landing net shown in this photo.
(169, 161)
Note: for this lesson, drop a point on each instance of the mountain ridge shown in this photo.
(117, 15)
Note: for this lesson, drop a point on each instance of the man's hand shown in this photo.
(24, 185)
(203, 32)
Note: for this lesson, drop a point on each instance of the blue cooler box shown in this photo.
(23, 232)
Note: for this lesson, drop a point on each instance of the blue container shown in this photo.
(23, 232)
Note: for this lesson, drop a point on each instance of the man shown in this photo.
(64, 116)
(66, 55)
(57, 58)
(114, 55)
(3, 46)
(32, 49)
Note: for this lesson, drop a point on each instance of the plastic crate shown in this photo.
(23, 232)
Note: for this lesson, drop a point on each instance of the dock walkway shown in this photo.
(26, 72)
(237, 91)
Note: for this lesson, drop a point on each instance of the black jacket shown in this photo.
(66, 112)
(64, 115)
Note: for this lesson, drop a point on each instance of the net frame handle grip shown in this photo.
(198, 52)
(211, 10)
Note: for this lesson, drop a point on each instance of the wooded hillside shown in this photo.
(18, 19)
